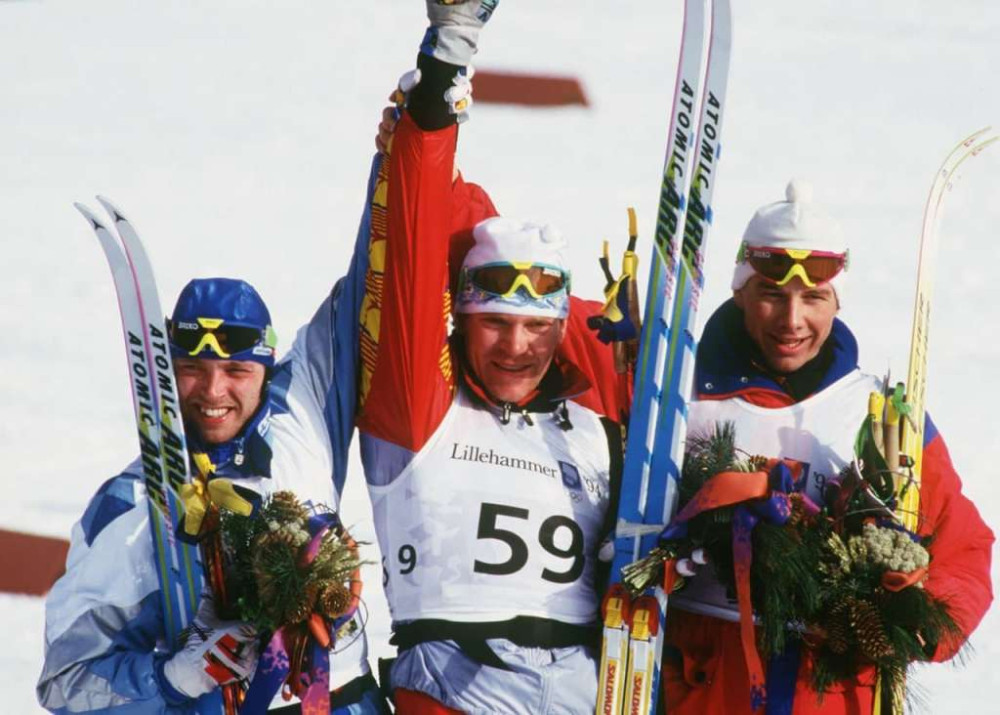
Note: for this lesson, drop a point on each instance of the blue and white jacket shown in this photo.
(104, 630)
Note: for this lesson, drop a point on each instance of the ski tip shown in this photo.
(88, 214)
(110, 208)
(985, 143)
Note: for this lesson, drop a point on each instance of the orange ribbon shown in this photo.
(898, 580)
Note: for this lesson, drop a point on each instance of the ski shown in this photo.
(907, 466)
(633, 628)
(916, 379)
(157, 415)
(616, 606)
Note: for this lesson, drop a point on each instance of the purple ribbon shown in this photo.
(277, 660)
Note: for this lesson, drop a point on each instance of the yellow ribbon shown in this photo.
(201, 493)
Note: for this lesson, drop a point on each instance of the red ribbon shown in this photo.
(753, 492)
(898, 580)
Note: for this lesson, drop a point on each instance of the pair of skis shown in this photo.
(907, 463)
(163, 448)
(633, 626)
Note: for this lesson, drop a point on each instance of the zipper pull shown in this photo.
(564, 424)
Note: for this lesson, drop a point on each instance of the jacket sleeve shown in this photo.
(314, 392)
(407, 378)
(960, 551)
(103, 618)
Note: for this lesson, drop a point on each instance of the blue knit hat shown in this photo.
(222, 319)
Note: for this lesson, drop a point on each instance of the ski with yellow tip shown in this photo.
(634, 624)
(906, 459)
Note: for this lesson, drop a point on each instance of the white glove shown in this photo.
(454, 31)
(688, 567)
(215, 653)
(458, 97)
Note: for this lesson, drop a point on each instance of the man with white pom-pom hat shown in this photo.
(777, 363)
(491, 453)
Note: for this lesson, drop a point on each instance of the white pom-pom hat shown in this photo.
(795, 223)
(504, 240)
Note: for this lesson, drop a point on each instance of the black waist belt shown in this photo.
(525, 631)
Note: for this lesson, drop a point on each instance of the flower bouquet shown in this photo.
(293, 572)
(844, 579)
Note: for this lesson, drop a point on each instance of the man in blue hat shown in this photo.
(267, 426)
(221, 363)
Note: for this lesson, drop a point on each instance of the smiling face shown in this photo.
(788, 323)
(510, 353)
(218, 397)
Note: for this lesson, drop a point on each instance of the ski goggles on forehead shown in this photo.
(505, 279)
(222, 339)
(780, 265)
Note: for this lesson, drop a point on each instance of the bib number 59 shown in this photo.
(489, 529)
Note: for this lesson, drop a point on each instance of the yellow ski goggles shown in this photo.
(539, 280)
(229, 342)
(781, 265)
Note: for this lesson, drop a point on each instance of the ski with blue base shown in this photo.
(633, 625)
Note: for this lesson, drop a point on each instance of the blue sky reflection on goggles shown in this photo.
(503, 279)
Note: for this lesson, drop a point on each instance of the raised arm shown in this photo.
(407, 377)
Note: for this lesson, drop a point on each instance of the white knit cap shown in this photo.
(504, 240)
(795, 223)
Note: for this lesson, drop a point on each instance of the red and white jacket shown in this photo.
(481, 517)
(704, 670)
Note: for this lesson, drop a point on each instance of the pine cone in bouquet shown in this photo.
(334, 600)
(285, 508)
(281, 592)
(870, 631)
(278, 574)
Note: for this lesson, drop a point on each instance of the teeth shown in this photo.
(214, 411)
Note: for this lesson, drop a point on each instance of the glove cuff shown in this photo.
(454, 44)
(171, 695)
(427, 103)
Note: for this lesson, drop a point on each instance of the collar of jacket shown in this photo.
(729, 363)
(248, 454)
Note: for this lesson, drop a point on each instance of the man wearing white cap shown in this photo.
(490, 453)
(777, 363)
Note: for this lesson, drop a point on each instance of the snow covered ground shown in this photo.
(237, 136)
